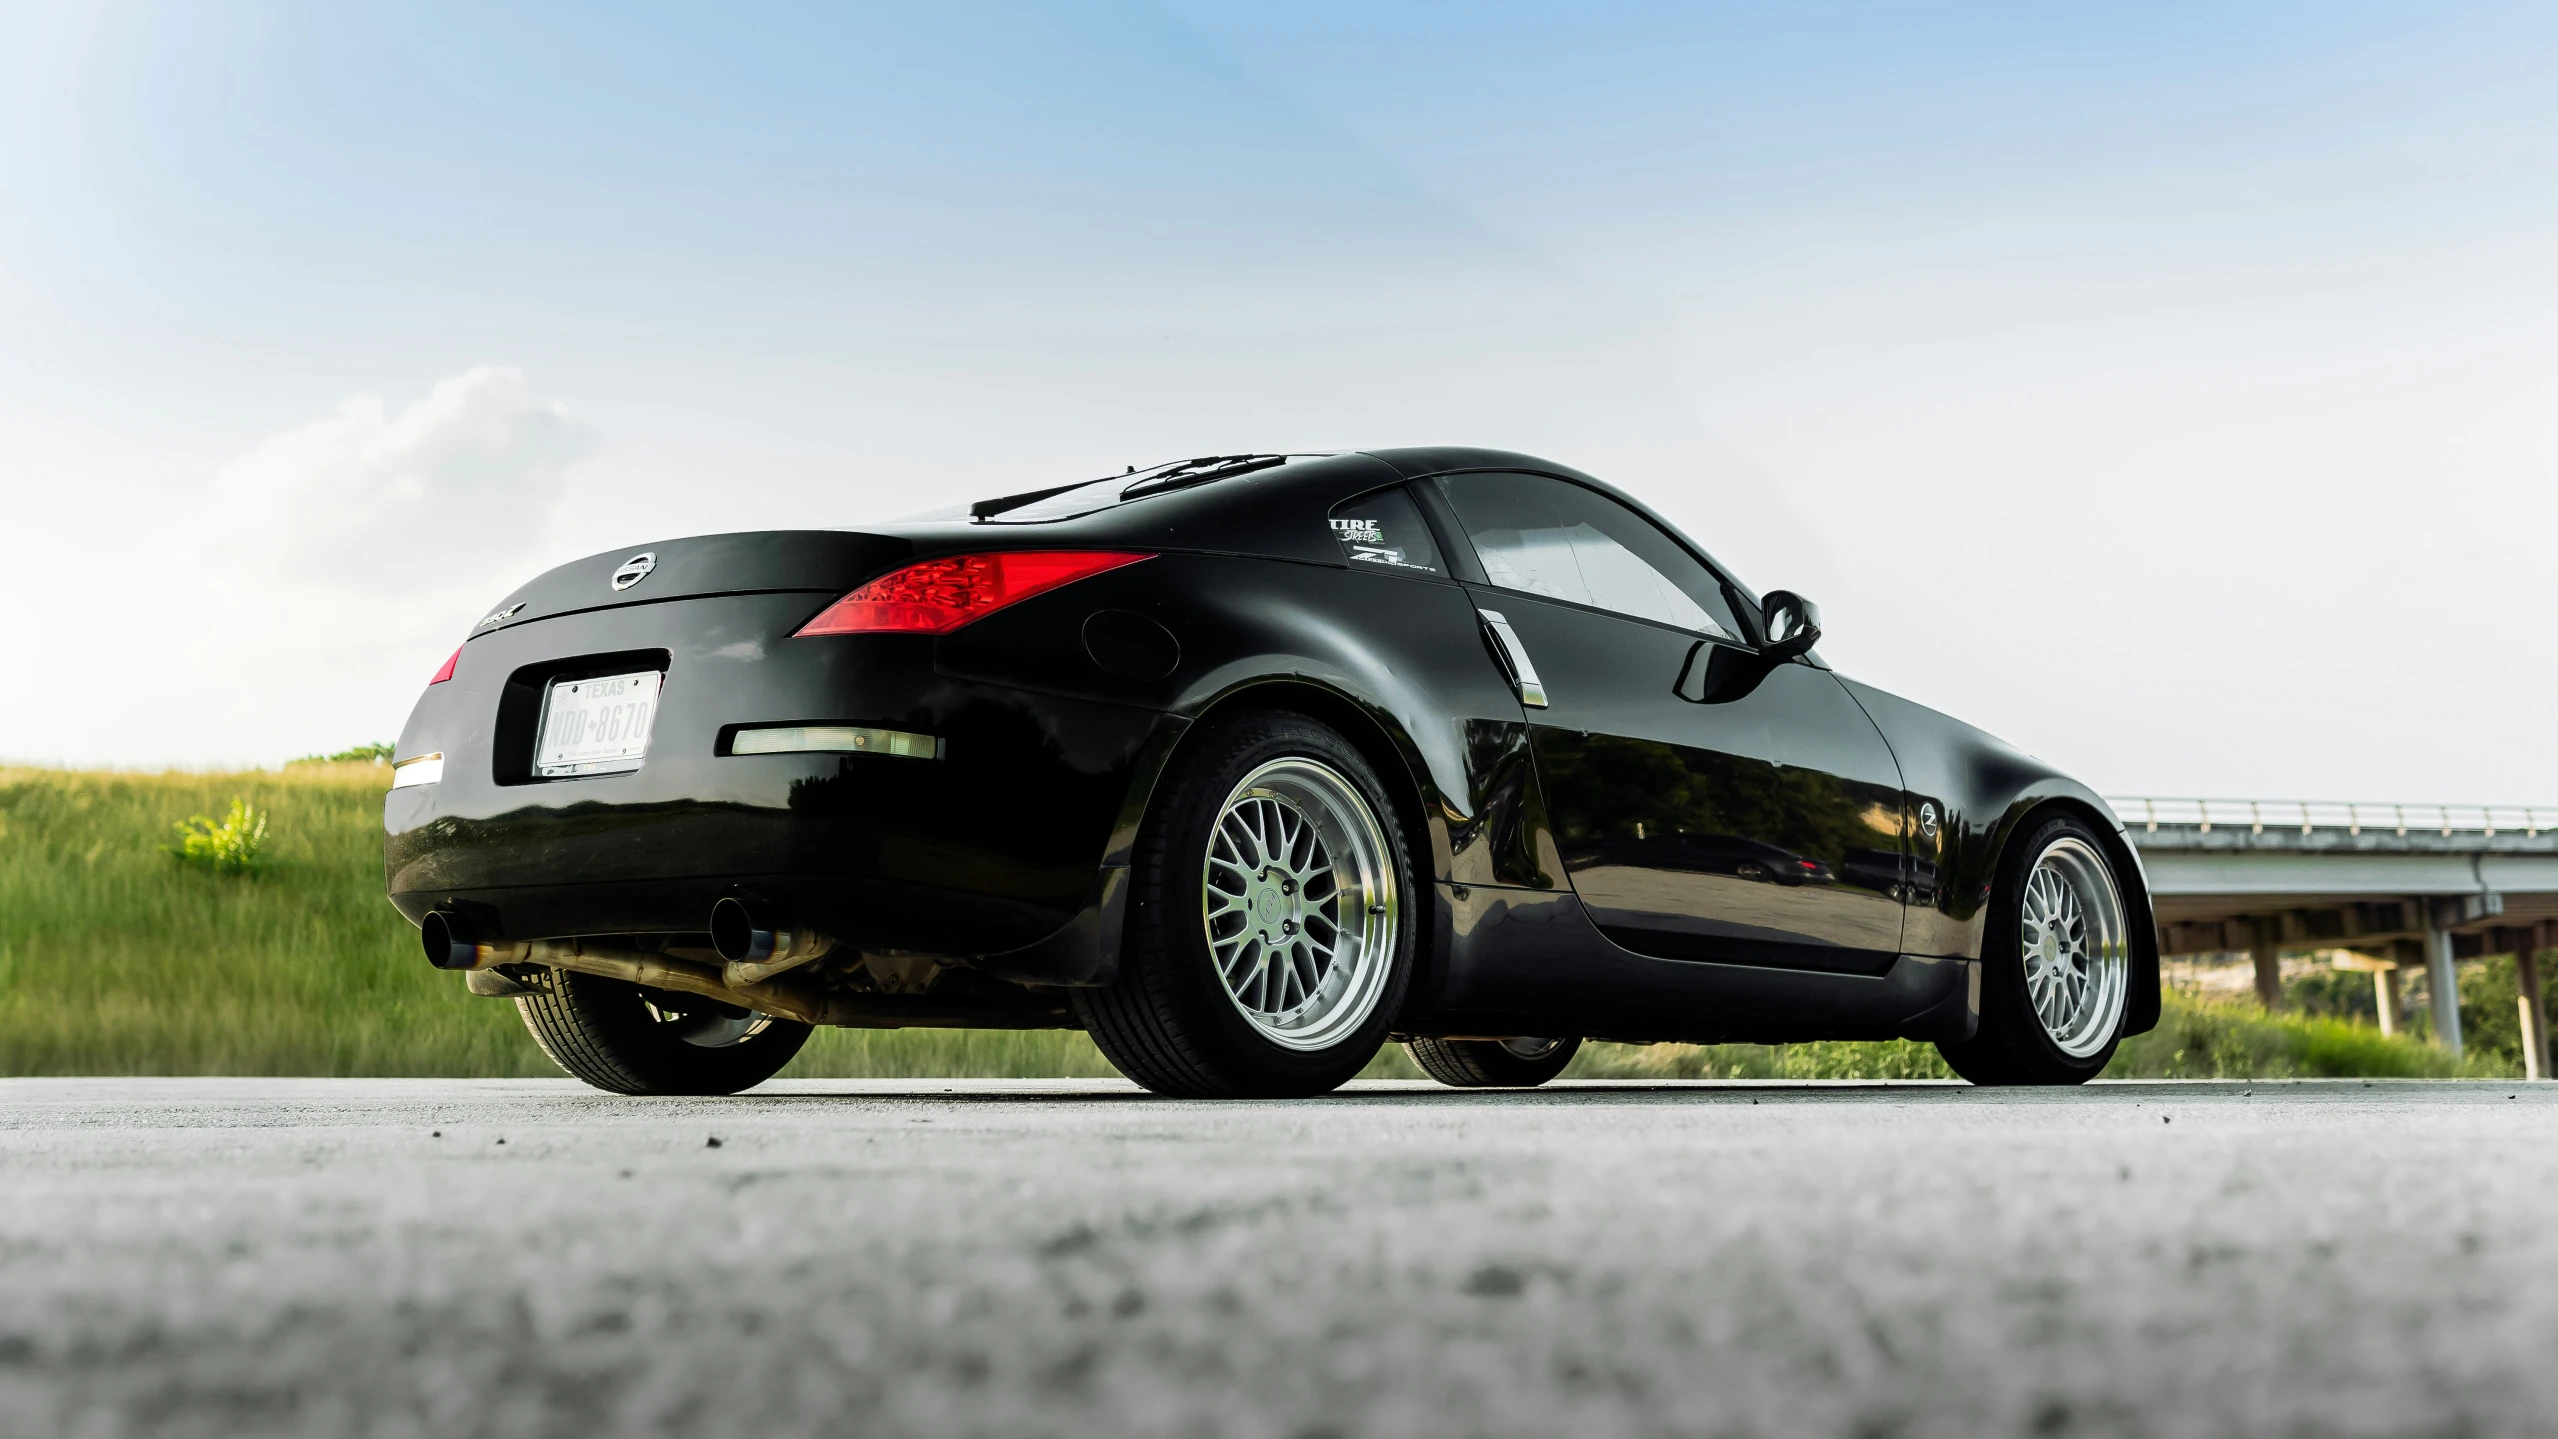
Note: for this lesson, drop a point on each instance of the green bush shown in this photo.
(1827, 1059)
(2333, 994)
(230, 847)
(2195, 1039)
(2491, 1011)
(2198, 1038)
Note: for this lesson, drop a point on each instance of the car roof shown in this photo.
(1417, 461)
(1281, 510)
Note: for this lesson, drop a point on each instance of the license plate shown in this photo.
(596, 726)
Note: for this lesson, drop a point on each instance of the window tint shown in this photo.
(1550, 537)
(1384, 531)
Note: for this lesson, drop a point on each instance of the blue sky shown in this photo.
(2168, 387)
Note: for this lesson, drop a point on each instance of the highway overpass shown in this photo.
(2403, 885)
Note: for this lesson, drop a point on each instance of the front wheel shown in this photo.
(2056, 964)
(1268, 945)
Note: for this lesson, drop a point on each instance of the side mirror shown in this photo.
(1793, 624)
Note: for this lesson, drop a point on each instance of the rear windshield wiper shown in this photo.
(1199, 472)
(1181, 474)
(996, 506)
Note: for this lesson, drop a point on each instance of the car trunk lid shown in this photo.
(751, 562)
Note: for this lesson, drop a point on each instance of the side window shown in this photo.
(1544, 536)
(1384, 531)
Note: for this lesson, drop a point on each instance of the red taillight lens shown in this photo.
(446, 673)
(934, 597)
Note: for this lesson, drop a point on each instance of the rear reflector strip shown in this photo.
(446, 673)
(834, 739)
(418, 769)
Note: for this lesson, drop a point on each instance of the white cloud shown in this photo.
(344, 558)
(456, 484)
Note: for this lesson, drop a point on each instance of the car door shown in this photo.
(1708, 805)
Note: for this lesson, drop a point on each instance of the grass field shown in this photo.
(118, 958)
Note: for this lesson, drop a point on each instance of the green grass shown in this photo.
(2234, 1039)
(116, 957)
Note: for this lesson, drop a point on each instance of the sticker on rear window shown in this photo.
(1384, 531)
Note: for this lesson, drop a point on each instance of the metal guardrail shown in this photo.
(2260, 816)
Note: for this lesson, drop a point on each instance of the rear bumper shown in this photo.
(1008, 839)
(1075, 947)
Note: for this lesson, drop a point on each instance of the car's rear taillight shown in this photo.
(934, 597)
(446, 672)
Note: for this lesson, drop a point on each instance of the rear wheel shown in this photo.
(1267, 948)
(626, 1039)
(1521, 1063)
(2056, 964)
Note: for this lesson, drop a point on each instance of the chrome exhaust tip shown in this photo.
(757, 943)
(452, 943)
(742, 935)
(448, 941)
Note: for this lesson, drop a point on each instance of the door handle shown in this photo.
(1523, 674)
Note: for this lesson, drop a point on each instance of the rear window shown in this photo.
(1384, 531)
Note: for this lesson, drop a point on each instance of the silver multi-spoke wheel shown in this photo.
(1298, 895)
(2076, 946)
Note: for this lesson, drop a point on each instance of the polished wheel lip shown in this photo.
(1299, 903)
(2075, 946)
(1530, 1046)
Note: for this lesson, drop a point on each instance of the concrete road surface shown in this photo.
(342, 1258)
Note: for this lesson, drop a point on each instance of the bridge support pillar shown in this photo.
(2261, 948)
(2535, 1015)
(2442, 978)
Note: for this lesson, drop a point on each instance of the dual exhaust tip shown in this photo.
(449, 942)
(754, 942)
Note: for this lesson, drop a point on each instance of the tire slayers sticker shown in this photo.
(1385, 531)
(1364, 542)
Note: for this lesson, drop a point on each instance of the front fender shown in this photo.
(1985, 792)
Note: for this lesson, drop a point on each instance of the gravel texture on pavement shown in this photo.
(425, 1257)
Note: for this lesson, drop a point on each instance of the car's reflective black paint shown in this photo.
(1687, 843)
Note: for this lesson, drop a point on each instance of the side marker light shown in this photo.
(446, 672)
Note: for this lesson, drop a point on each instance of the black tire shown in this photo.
(1168, 1021)
(2013, 1046)
(625, 1039)
(1492, 1063)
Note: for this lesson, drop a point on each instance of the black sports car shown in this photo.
(1243, 765)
